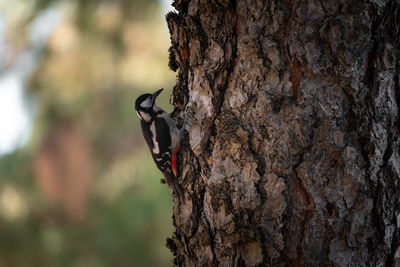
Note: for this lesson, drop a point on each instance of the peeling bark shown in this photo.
(291, 155)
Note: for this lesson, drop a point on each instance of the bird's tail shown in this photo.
(175, 186)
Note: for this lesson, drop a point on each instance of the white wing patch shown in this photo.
(156, 149)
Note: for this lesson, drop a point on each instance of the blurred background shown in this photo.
(77, 184)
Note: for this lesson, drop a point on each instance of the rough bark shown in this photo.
(291, 155)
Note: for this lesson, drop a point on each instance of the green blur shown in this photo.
(84, 191)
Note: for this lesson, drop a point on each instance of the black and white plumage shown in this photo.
(162, 136)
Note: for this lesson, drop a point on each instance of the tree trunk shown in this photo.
(291, 156)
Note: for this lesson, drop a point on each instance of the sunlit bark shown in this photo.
(291, 157)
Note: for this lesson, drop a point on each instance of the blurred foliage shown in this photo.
(84, 191)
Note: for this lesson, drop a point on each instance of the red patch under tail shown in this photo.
(176, 149)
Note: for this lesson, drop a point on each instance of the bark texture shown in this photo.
(291, 155)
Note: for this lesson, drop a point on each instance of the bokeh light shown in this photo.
(77, 184)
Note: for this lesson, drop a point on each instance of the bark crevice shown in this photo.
(291, 156)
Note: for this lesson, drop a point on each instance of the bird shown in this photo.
(162, 137)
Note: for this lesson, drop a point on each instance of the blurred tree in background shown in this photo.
(84, 191)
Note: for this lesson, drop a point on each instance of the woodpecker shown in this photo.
(162, 136)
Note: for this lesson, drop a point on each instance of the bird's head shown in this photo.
(145, 105)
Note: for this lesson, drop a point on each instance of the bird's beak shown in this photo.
(156, 94)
